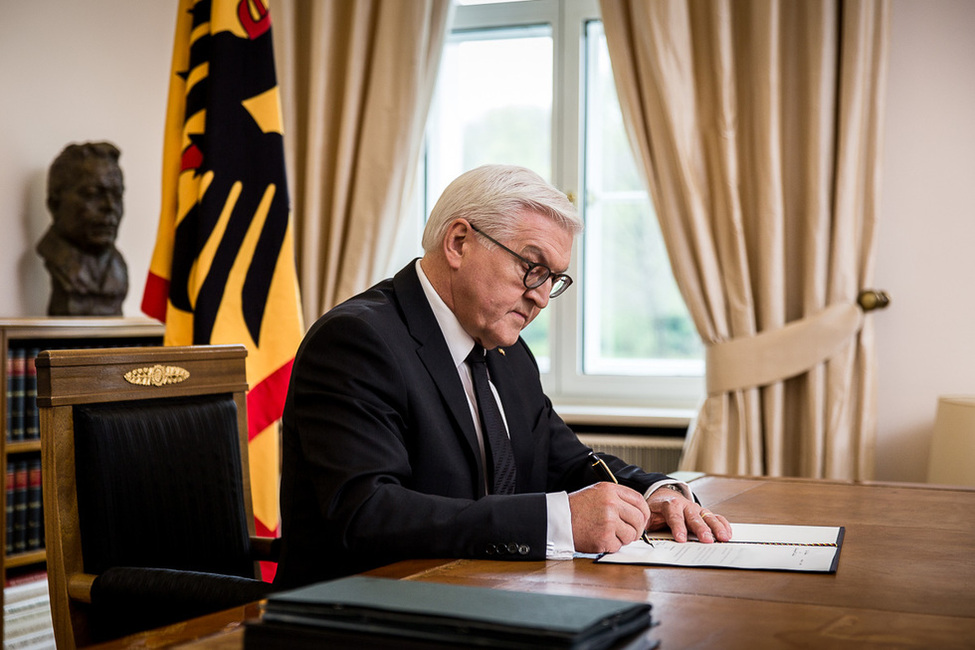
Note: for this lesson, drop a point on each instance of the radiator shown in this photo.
(652, 453)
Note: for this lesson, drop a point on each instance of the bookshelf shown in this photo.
(20, 448)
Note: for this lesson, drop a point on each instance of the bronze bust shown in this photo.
(84, 195)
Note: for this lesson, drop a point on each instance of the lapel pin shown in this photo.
(501, 350)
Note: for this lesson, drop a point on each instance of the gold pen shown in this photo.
(603, 469)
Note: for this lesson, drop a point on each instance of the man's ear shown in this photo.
(458, 235)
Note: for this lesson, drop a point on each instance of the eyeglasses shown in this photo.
(537, 274)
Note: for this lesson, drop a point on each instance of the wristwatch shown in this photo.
(674, 487)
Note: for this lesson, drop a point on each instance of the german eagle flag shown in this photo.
(223, 270)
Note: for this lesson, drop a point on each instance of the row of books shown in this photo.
(23, 418)
(25, 507)
(23, 421)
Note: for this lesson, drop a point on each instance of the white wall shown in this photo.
(75, 72)
(97, 70)
(926, 254)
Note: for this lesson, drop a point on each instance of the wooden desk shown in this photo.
(906, 575)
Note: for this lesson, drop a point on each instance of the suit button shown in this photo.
(491, 549)
(523, 549)
(512, 548)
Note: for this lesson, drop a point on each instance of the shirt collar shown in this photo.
(459, 342)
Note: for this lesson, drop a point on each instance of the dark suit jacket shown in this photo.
(380, 458)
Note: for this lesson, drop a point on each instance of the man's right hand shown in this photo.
(606, 516)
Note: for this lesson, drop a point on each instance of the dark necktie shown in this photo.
(500, 456)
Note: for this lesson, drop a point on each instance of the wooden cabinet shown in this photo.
(20, 341)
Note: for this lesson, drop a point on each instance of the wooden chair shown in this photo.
(147, 506)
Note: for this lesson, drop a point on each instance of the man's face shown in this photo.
(490, 298)
(90, 206)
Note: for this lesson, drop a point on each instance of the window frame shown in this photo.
(663, 396)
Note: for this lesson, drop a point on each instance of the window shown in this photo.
(530, 83)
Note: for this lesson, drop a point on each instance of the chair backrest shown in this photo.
(144, 454)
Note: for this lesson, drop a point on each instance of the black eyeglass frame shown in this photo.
(560, 281)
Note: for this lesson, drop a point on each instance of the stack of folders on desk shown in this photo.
(361, 612)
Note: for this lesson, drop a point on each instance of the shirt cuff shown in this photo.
(684, 488)
(558, 537)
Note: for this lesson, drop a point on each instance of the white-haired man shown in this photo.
(389, 452)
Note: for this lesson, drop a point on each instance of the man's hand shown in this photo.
(669, 509)
(605, 516)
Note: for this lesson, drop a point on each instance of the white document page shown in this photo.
(772, 534)
(752, 546)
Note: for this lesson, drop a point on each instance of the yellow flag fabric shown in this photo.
(223, 269)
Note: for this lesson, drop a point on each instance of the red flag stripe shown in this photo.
(265, 401)
(155, 297)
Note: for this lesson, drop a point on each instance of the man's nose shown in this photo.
(540, 295)
(110, 206)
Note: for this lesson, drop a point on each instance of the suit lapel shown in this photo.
(433, 353)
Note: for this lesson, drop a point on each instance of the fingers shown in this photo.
(605, 516)
(684, 517)
(676, 520)
(638, 511)
(717, 527)
(698, 523)
(626, 512)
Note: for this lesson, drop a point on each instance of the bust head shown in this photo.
(84, 195)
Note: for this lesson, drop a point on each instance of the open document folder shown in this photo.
(752, 546)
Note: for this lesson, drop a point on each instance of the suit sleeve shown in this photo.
(387, 474)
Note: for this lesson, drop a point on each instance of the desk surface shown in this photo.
(906, 575)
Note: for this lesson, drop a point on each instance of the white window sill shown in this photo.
(624, 416)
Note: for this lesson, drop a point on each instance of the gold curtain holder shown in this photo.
(870, 299)
(787, 351)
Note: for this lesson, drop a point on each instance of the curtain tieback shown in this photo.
(774, 355)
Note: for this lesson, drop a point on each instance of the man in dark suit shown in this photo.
(386, 455)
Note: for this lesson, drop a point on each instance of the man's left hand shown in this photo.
(669, 509)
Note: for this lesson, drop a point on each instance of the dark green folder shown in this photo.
(378, 612)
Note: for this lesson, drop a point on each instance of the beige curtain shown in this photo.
(356, 78)
(758, 126)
